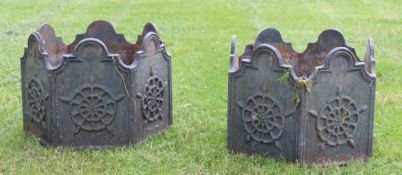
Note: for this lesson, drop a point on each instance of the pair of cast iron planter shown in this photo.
(99, 90)
(310, 107)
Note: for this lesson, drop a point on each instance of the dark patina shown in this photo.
(99, 90)
(311, 107)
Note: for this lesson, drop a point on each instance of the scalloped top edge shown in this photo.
(303, 63)
(48, 43)
(327, 40)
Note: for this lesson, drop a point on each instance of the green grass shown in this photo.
(197, 35)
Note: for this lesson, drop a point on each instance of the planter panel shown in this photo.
(91, 87)
(325, 96)
(260, 108)
(338, 124)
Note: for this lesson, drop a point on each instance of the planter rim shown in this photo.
(58, 50)
(270, 41)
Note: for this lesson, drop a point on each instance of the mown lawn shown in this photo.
(197, 34)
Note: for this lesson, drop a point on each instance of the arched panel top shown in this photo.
(52, 45)
(116, 43)
(149, 27)
(329, 39)
(151, 43)
(35, 42)
(91, 43)
(350, 65)
(303, 64)
(270, 36)
(47, 45)
(101, 30)
(254, 54)
(103, 33)
(101, 53)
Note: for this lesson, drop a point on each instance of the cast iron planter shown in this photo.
(311, 107)
(99, 90)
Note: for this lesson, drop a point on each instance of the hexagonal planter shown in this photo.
(99, 90)
(311, 107)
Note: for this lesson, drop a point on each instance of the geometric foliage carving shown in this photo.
(152, 100)
(36, 101)
(338, 119)
(92, 107)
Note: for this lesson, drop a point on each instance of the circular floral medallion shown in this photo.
(337, 120)
(35, 102)
(92, 108)
(153, 99)
(263, 118)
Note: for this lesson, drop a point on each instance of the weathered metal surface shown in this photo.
(99, 90)
(311, 107)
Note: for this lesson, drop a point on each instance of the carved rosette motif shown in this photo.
(263, 118)
(152, 100)
(338, 119)
(92, 107)
(36, 101)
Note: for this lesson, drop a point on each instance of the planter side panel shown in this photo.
(91, 102)
(152, 88)
(36, 100)
(339, 111)
(261, 117)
